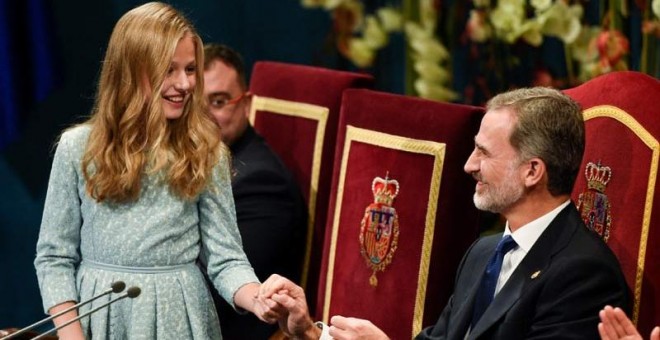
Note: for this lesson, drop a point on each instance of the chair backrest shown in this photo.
(296, 109)
(401, 212)
(617, 191)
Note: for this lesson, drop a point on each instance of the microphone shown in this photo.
(115, 287)
(132, 293)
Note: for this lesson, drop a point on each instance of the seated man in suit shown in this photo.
(270, 210)
(547, 276)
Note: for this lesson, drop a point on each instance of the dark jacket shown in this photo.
(272, 220)
(556, 292)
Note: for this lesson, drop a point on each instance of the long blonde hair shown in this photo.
(130, 135)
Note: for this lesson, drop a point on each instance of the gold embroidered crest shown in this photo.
(593, 204)
(379, 231)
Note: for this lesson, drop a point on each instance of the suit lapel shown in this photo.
(509, 294)
(553, 239)
(477, 267)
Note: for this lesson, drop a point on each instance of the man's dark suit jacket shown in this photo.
(272, 220)
(555, 293)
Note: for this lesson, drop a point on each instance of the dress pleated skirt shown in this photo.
(174, 303)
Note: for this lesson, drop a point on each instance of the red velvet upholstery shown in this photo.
(622, 117)
(423, 145)
(296, 132)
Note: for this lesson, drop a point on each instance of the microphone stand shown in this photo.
(132, 292)
(116, 287)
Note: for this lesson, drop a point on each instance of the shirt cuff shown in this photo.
(325, 330)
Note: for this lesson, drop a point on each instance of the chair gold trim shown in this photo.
(384, 140)
(607, 111)
(314, 113)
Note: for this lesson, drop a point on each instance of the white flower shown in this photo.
(415, 31)
(428, 90)
(390, 19)
(422, 40)
(429, 49)
(655, 6)
(374, 36)
(360, 53)
(541, 5)
(428, 16)
(431, 71)
(506, 19)
(332, 4)
(576, 10)
(428, 55)
(582, 48)
(572, 30)
(561, 21)
(531, 32)
(512, 7)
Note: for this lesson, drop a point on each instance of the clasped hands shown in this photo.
(284, 302)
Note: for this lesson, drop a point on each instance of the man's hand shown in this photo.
(297, 323)
(267, 310)
(615, 325)
(352, 328)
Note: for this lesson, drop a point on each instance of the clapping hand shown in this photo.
(615, 325)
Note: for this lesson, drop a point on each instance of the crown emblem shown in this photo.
(384, 190)
(379, 229)
(597, 176)
(593, 203)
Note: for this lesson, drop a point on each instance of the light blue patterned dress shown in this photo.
(152, 243)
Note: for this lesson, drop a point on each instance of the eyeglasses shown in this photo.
(221, 102)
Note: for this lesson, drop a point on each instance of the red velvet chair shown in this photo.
(401, 213)
(296, 109)
(617, 192)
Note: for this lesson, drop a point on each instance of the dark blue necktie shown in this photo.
(486, 290)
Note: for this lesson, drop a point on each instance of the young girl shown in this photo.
(141, 191)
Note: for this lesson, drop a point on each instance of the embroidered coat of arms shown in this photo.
(379, 231)
(593, 204)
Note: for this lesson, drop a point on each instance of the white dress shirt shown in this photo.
(525, 238)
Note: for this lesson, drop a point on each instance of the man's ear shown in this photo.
(247, 107)
(535, 170)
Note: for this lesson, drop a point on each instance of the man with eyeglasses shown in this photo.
(270, 211)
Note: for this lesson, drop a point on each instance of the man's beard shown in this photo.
(497, 198)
